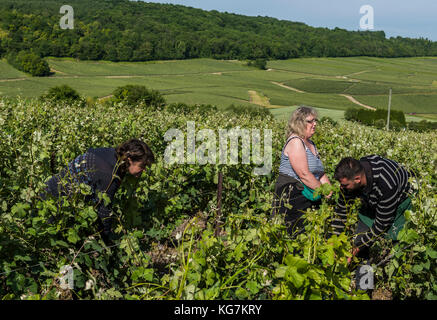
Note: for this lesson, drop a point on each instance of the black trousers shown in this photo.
(361, 228)
(290, 201)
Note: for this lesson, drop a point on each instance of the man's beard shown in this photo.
(358, 189)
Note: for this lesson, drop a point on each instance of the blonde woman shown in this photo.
(300, 171)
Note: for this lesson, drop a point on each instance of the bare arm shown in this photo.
(298, 160)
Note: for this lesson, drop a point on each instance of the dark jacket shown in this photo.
(98, 169)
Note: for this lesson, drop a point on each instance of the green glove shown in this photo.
(309, 194)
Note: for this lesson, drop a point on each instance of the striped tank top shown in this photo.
(315, 165)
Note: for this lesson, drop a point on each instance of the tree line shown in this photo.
(378, 118)
(122, 30)
(29, 62)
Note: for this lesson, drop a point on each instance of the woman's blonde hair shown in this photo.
(297, 122)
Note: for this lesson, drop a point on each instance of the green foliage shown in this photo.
(370, 117)
(185, 109)
(254, 258)
(380, 123)
(62, 93)
(252, 111)
(394, 124)
(378, 119)
(133, 95)
(422, 126)
(168, 246)
(30, 63)
(412, 272)
(140, 31)
(329, 120)
(258, 63)
(351, 114)
(194, 82)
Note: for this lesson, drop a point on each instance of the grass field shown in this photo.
(9, 72)
(325, 83)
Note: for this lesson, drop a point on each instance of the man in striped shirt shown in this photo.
(383, 187)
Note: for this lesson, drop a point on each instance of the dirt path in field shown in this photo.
(56, 71)
(255, 98)
(105, 97)
(353, 100)
(357, 73)
(121, 77)
(287, 87)
(13, 79)
(261, 100)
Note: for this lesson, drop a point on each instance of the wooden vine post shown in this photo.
(219, 223)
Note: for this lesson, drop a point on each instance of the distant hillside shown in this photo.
(121, 30)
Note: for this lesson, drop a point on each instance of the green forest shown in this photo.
(122, 30)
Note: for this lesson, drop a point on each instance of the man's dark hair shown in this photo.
(348, 168)
(136, 150)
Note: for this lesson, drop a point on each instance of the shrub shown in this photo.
(258, 63)
(395, 115)
(183, 108)
(375, 118)
(30, 63)
(351, 114)
(167, 220)
(133, 95)
(380, 123)
(90, 101)
(395, 125)
(328, 120)
(62, 93)
(422, 126)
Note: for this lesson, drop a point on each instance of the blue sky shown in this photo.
(406, 18)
